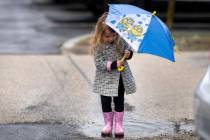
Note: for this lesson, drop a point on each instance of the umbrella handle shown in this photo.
(121, 68)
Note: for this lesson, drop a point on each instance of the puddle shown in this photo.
(135, 128)
(138, 127)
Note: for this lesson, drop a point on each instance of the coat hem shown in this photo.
(110, 95)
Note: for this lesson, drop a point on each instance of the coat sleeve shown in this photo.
(100, 60)
(127, 47)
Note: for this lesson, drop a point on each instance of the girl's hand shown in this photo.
(120, 63)
(126, 53)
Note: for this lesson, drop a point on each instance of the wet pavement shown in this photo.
(29, 28)
(165, 109)
(49, 97)
(38, 132)
(58, 131)
(50, 102)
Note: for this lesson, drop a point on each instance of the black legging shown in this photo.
(118, 101)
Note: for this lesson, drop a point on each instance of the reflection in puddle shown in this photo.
(128, 107)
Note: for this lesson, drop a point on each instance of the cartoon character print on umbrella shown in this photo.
(125, 23)
(135, 32)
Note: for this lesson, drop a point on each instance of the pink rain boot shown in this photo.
(108, 119)
(118, 124)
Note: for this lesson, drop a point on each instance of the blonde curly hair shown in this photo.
(96, 38)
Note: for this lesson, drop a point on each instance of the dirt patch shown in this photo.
(81, 47)
(190, 41)
(80, 50)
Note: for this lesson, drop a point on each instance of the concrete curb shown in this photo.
(65, 49)
(66, 46)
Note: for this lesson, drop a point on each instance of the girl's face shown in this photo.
(108, 36)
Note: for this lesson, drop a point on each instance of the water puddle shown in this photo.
(135, 128)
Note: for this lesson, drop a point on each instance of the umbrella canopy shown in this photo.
(142, 30)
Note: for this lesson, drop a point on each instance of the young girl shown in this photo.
(108, 50)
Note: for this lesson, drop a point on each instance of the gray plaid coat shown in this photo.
(106, 82)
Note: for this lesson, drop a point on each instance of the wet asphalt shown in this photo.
(28, 28)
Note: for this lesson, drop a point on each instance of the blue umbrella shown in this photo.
(142, 30)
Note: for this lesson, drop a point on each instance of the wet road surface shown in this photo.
(49, 102)
(29, 28)
(50, 105)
